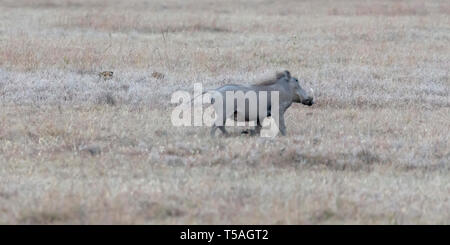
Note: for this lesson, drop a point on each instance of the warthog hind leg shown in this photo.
(255, 131)
(222, 128)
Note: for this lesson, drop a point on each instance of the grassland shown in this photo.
(75, 149)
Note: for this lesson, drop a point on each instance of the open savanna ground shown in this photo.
(77, 149)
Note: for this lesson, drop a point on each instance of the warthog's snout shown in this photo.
(309, 101)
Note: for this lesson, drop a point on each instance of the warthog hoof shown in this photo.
(251, 132)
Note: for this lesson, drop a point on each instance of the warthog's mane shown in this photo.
(272, 80)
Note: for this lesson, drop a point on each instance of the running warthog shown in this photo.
(256, 102)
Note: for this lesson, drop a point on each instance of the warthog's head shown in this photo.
(300, 95)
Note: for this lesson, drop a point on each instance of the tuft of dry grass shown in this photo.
(76, 149)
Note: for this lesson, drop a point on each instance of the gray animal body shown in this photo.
(253, 106)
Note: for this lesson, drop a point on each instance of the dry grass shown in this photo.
(76, 149)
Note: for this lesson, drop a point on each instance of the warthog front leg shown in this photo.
(282, 125)
(279, 121)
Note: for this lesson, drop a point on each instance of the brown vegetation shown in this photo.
(75, 149)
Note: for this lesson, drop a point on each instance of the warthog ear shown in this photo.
(285, 73)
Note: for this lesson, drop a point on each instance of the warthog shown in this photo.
(289, 91)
